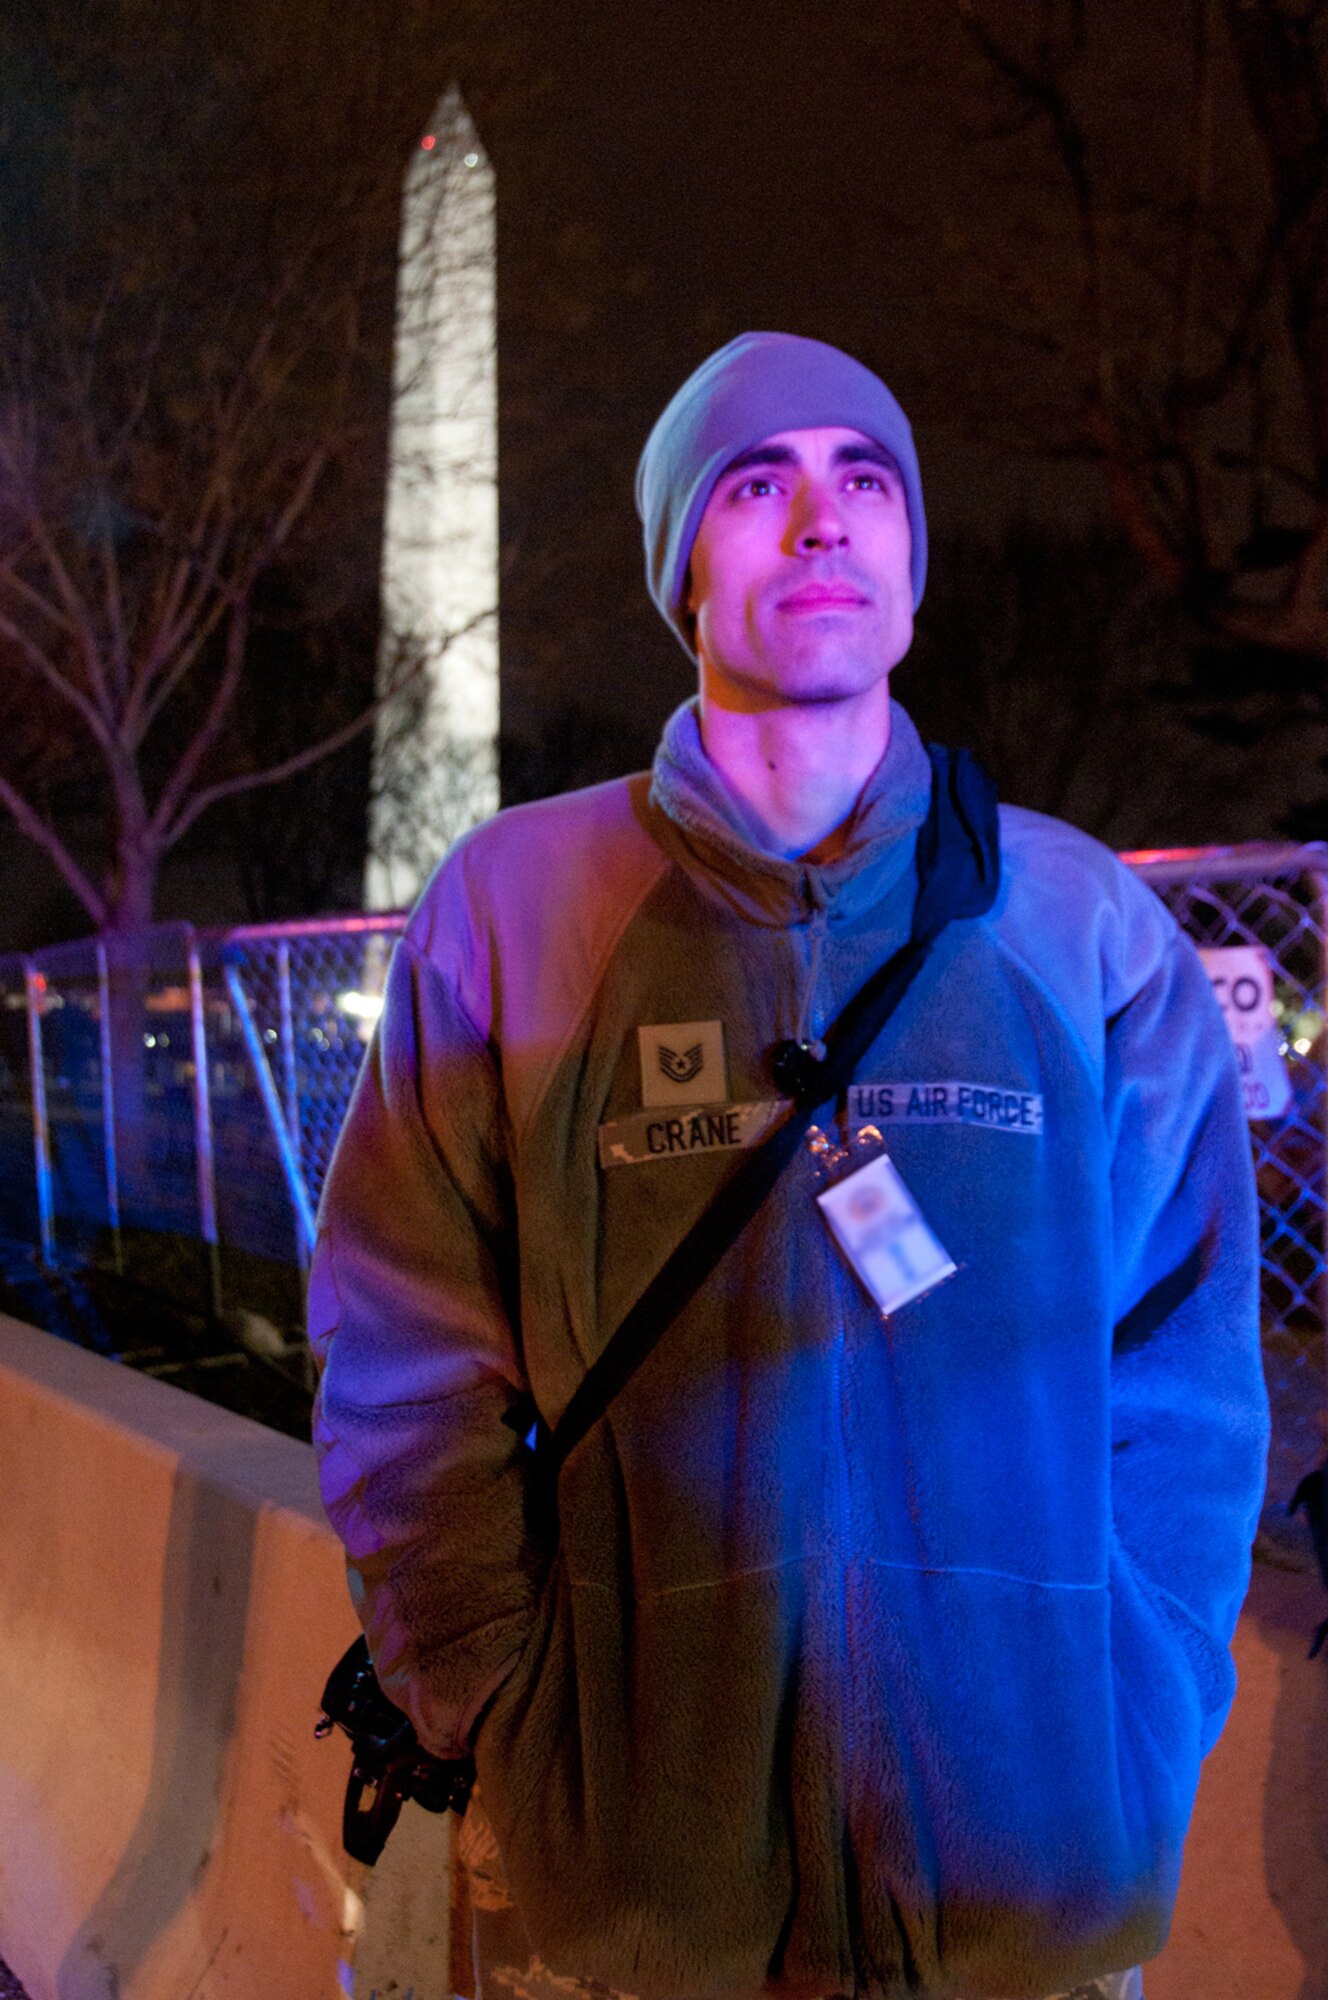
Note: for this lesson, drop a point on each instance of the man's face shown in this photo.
(799, 576)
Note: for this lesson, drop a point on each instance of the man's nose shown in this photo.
(818, 522)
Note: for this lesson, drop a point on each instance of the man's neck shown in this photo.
(799, 768)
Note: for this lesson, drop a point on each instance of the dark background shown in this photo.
(666, 177)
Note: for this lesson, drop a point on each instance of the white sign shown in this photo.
(1242, 980)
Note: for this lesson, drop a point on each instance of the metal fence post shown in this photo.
(305, 1229)
(34, 985)
(203, 1147)
(108, 1106)
(287, 1039)
(286, 1019)
(1319, 888)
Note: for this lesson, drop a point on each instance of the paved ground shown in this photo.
(9, 1986)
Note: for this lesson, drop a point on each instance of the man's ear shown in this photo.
(689, 609)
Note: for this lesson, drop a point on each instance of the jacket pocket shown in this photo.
(1025, 1754)
(635, 1771)
(1163, 1667)
(1210, 1662)
(506, 1776)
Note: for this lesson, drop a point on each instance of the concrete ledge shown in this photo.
(170, 1602)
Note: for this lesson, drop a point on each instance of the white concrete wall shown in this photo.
(171, 1600)
(170, 1603)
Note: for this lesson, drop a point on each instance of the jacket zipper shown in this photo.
(843, 1546)
(809, 1023)
(809, 1014)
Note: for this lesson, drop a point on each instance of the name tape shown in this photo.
(946, 1103)
(663, 1135)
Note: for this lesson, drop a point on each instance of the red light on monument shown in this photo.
(428, 142)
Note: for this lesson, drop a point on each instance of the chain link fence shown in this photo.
(175, 1108)
(1273, 900)
(235, 1053)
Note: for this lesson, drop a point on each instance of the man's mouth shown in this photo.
(823, 597)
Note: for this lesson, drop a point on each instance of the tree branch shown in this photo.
(1201, 162)
(1042, 89)
(38, 601)
(38, 830)
(170, 655)
(1306, 596)
(290, 766)
(1284, 93)
(196, 577)
(1202, 390)
(80, 624)
(54, 678)
(1133, 505)
(185, 654)
(1253, 462)
(176, 788)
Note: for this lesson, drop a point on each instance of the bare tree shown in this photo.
(196, 339)
(195, 365)
(1194, 338)
(136, 533)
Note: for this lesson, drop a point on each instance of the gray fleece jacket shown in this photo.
(875, 1655)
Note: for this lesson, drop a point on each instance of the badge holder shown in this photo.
(879, 1227)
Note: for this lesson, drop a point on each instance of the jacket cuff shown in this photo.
(475, 1711)
(442, 1731)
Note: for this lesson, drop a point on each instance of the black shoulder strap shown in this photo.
(958, 857)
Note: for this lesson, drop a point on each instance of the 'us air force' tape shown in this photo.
(945, 1104)
(723, 1128)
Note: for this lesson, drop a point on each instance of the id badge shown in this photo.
(883, 1233)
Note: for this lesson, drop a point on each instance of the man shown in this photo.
(885, 1621)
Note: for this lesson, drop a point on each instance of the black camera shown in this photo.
(387, 1758)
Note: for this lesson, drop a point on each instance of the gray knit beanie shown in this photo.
(757, 386)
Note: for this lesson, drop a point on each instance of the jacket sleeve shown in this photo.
(1189, 1407)
(411, 1317)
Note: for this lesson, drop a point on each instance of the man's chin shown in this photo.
(821, 683)
(819, 677)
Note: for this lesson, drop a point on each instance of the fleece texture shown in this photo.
(757, 386)
(873, 1656)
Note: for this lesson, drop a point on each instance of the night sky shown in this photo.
(667, 179)
(669, 176)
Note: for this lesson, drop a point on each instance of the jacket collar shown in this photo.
(706, 828)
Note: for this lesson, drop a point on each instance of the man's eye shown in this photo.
(868, 480)
(757, 487)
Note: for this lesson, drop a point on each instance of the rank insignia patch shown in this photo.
(684, 1068)
(682, 1062)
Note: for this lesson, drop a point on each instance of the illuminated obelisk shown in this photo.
(436, 750)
